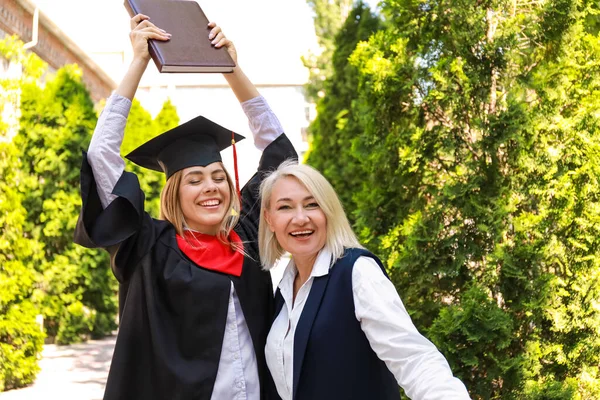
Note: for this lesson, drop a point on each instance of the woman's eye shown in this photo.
(283, 207)
(194, 182)
(219, 180)
(312, 205)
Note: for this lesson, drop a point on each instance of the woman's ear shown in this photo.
(268, 220)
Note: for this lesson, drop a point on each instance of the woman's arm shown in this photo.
(420, 369)
(268, 137)
(263, 122)
(104, 151)
(238, 81)
(142, 30)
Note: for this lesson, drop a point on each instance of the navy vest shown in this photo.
(332, 356)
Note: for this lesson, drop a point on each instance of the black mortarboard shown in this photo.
(197, 142)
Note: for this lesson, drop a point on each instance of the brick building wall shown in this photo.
(53, 46)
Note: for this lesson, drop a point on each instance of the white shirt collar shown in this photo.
(322, 263)
(320, 268)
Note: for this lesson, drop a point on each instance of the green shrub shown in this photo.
(76, 324)
(550, 389)
(21, 338)
(21, 341)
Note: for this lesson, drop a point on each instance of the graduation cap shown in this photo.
(197, 142)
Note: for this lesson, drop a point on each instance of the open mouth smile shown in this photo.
(302, 234)
(210, 203)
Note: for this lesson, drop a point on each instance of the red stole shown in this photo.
(207, 252)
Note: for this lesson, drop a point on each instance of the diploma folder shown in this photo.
(189, 49)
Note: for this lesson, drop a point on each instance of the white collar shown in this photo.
(320, 268)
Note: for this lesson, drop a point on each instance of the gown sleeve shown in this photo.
(112, 214)
(275, 153)
(269, 137)
(123, 228)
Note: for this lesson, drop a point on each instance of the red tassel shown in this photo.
(235, 169)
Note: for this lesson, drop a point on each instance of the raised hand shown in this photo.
(218, 39)
(143, 30)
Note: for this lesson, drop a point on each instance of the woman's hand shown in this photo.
(217, 38)
(238, 81)
(143, 30)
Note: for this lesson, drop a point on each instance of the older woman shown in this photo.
(341, 330)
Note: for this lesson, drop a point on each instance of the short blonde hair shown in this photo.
(170, 209)
(339, 233)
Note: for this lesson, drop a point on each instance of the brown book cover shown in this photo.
(189, 49)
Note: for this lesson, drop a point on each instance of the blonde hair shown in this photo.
(339, 233)
(170, 209)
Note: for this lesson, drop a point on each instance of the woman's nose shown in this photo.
(300, 216)
(210, 187)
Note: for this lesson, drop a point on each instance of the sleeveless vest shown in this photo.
(332, 356)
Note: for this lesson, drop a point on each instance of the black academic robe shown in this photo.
(173, 312)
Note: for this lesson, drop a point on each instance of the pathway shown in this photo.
(75, 372)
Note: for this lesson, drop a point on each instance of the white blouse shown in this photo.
(419, 368)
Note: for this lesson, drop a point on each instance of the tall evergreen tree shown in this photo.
(77, 288)
(335, 125)
(480, 161)
(41, 270)
(329, 16)
(21, 337)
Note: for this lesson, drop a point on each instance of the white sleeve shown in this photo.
(420, 369)
(263, 122)
(104, 151)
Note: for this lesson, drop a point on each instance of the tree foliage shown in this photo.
(335, 126)
(42, 272)
(21, 338)
(76, 290)
(479, 158)
(329, 16)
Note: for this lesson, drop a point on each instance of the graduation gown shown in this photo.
(172, 311)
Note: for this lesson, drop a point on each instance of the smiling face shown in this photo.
(296, 219)
(204, 196)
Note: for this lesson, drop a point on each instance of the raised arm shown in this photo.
(263, 122)
(142, 30)
(238, 81)
(266, 130)
(104, 151)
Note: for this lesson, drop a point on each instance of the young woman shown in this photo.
(341, 330)
(195, 305)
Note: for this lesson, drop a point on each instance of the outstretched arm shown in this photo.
(104, 151)
(418, 366)
(117, 223)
